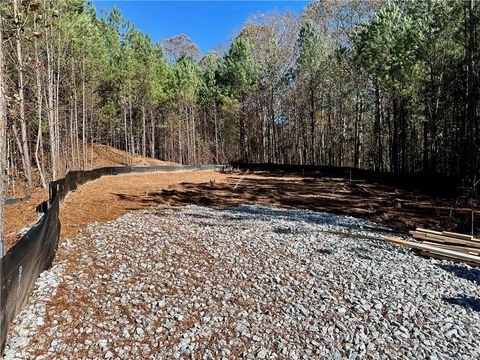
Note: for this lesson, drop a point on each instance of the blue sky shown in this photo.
(208, 23)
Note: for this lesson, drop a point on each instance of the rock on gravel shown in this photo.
(251, 282)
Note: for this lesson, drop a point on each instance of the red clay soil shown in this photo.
(400, 209)
(111, 196)
(98, 156)
(108, 198)
(103, 156)
(22, 215)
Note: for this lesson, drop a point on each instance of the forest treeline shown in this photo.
(389, 86)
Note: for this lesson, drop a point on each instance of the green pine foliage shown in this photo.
(387, 86)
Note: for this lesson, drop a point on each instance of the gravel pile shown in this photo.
(252, 282)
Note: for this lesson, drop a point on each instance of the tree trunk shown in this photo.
(272, 119)
(243, 153)
(378, 133)
(426, 167)
(39, 113)
(144, 133)
(84, 117)
(312, 124)
(126, 135)
(358, 117)
(21, 119)
(57, 105)
(3, 133)
(472, 85)
(152, 143)
(194, 134)
(216, 130)
(75, 123)
(51, 120)
(394, 149)
(132, 142)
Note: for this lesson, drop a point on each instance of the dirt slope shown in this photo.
(104, 155)
(22, 215)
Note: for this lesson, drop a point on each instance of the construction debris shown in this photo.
(443, 245)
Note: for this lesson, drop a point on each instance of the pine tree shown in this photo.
(239, 75)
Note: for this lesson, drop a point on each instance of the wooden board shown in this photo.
(441, 257)
(465, 249)
(436, 250)
(445, 239)
(450, 234)
(457, 235)
(433, 232)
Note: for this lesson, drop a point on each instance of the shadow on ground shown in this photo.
(463, 272)
(400, 209)
(465, 301)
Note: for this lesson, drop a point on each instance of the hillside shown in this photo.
(103, 155)
(21, 215)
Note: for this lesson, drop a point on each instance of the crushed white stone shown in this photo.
(251, 282)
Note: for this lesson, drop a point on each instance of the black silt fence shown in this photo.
(432, 184)
(36, 250)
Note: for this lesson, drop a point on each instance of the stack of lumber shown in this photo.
(443, 245)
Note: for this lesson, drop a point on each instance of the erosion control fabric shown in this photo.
(432, 184)
(35, 251)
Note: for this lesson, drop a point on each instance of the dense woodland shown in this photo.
(389, 86)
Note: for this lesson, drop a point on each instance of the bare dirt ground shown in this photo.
(98, 156)
(402, 210)
(109, 197)
(103, 155)
(22, 215)
(112, 196)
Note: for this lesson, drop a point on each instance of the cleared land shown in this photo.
(100, 155)
(221, 278)
(250, 282)
(109, 197)
(22, 215)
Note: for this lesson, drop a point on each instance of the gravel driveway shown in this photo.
(251, 282)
